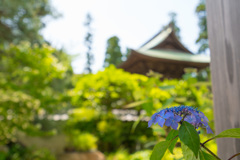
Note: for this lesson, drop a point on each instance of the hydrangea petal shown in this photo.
(154, 116)
(161, 122)
(190, 119)
(203, 117)
(209, 130)
(168, 122)
(149, 123)
(161, 113)
(157, 119)
(177, 118)
(168, 115)
(174, 125)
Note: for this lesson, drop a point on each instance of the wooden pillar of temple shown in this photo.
(223, 17)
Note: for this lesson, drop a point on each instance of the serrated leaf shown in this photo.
(172, 134)
(205, 156)
(189, 136)
(188, 153)
(230, 133)
(159, 150)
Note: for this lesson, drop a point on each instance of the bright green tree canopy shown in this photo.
(26, 87)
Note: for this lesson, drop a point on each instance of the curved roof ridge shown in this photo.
(165, 38)
(157, 39)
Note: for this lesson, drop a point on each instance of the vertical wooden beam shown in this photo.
(223, 17)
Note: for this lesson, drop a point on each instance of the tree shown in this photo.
(113, 53)
(223, 29)
(173, 22)
(22, 21)
(203, 35)
(27, 75)
(88, 43)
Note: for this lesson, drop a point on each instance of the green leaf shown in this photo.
(159, 150)
(202, 84)
(205, 156)
(167, 87)
(188, 153)
(148, 106)
(172, 134)
(189, 136)
(134, 126)
(135, 104)
(168, 102)
(230, 133)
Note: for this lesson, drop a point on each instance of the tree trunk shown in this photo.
(223, 17)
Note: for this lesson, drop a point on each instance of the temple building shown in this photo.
(164, 54)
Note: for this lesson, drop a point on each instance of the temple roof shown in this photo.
(165, 39)
(164, 54)
(175, 55)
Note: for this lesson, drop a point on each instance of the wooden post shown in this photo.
(223, 17)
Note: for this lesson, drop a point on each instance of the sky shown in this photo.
(133, 21)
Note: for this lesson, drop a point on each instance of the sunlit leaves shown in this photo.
(188, 153)
(114, 88)
(189, 136)
(172, 136)
(26, 74)
(159, 150)
(205, 156)
(229, 133)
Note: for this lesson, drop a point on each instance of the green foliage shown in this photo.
(18, 152)
(188, 153)
(109, 89)
(205, 156)
(124, 155)
(26, 76)
(229, 133)
(189, 136)
(113, 53)
(82, 114)
(203, 35)
(40, 154)
(98, 94)
(159, 150)
(119, 155)
(112, 133)
(172, 135)
(141, 155)
(21, 21)
(82, 141)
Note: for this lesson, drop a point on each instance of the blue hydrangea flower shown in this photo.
(172, 116)
(159, 118)
(190, 119)
(173, 121)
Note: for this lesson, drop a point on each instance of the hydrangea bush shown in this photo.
(190, 121)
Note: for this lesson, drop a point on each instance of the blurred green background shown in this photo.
(46, 110)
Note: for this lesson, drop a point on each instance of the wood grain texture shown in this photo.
(223, 17)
